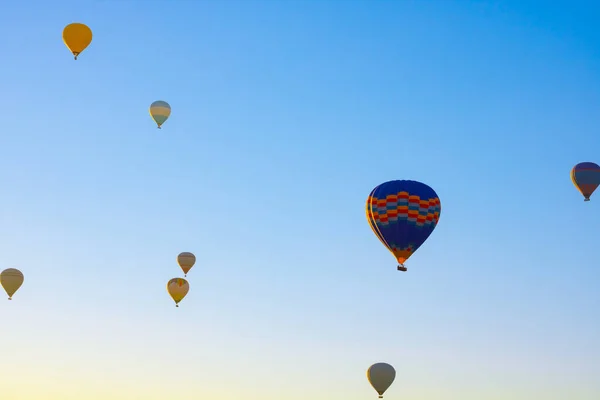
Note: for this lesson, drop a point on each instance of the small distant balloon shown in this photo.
(403, 214)
(186, 261)
(77, 37)
(11, 280)
(586, 178)
(381, 376)
(160, 112)
(178, 288)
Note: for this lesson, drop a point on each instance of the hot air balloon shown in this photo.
(381, 376)
(77, 37)
(178, 288)
(186, 261)
(11, 280)
(160, 111)
(403, 214)
(586, 178)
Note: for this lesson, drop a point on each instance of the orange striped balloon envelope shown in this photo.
(186, 261)
(586, 178)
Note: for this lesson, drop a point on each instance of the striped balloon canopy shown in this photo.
(403, 214)
(186, 261)
(160, 112)
(586, 178)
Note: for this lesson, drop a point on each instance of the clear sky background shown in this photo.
(286, 114)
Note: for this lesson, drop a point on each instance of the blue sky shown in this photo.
(285, 115)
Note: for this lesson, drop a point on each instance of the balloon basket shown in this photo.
(586, 199)
(402, 268)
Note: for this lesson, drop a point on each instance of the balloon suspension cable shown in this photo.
(402, 268)
(76, 54)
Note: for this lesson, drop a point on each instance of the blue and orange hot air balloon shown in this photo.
(586, 178)
(403, 214)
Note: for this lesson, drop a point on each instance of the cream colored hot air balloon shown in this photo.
(77, 37)
(178, 288)
(381, 376)
(186, 261)
(11, 280)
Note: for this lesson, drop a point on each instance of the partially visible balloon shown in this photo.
(77, 37)
(160, 111)
(11, 280)
(178, 288)
(586, 178)
(381, 376)
(186, 261)
(403, 214)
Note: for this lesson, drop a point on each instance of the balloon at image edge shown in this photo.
(178, 288)
(403, 214)
(381, 376)
(160, 112)
(586, 178)
(11, 280)
(77, 37)
(186, 261)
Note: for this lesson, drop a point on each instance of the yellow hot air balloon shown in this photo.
(178, 288)
(186, 261)
(11, 280)
(381, 376)
(160, 111)
(77, 37)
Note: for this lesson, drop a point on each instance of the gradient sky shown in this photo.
(286, 114)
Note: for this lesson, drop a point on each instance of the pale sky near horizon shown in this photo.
(285, 115)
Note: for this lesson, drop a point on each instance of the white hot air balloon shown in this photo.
(381, 376)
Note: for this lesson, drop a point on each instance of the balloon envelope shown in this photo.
(11, 280)
(178, 288)
(186, 261)
(160, 111)
(403, 214)
(381, 376)
(77, 37)
(586, 178)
